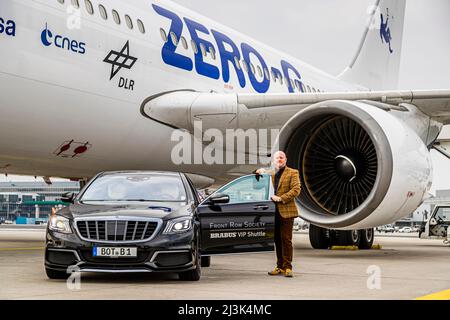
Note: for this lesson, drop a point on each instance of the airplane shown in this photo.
(94, 85)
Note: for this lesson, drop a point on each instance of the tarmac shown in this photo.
(404, 268)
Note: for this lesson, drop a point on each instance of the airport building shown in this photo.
(31, 199)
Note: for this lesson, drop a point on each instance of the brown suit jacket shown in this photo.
(288, 189)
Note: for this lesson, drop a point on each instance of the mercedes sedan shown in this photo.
(152, 221)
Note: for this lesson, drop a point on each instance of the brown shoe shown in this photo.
(275, 272)
(288, 273)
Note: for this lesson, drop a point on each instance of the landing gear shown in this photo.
(322, 238)
(366, 241)
(347, 238)
(319, 237)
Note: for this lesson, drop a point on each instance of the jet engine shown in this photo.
(360, 166)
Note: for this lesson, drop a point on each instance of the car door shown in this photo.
(245, 223)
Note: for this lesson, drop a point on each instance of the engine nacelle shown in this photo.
(360, 166)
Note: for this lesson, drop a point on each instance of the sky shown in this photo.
(326, 34)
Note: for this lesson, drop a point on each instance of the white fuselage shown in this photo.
(56, 89)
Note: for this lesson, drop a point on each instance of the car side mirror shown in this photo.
(68, 197)
(219, 198)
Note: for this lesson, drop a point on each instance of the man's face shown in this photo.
(279, 160)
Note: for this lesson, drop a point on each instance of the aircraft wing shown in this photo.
(243, 110)
(434, 103)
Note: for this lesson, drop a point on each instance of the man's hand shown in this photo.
(260, 171)
(276, 198)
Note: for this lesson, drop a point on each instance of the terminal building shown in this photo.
(31, 199)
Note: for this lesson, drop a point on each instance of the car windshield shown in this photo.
(135, 187)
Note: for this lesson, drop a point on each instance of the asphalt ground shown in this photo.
(405, 268)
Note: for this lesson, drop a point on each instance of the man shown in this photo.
(287, 187)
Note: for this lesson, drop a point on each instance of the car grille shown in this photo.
(116, 230)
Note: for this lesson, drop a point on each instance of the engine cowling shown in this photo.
(360, 166)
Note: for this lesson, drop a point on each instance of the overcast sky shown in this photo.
(326, 34)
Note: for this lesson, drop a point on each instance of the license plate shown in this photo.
(114, 252)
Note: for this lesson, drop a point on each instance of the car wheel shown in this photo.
(194, 274)
(54, 274)
(366, 241)
(206, 262)
(319, 237)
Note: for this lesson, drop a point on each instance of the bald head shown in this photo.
(279, 160)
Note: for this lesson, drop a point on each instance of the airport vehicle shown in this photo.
(147, 221)
(437, 225)
(405, 230)
(300, 224)
(297, 224)
(113, 84)
(386, 229)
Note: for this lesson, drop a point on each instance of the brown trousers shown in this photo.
(283, 241)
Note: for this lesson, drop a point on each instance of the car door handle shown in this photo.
(261, 207)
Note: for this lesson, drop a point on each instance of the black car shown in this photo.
(148, 221)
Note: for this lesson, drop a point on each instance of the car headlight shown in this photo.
(178, 225)
(59, 224)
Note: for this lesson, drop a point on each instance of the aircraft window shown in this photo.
(89, 7)
(308, 88)
(116, 16)
(129, 21)
(292, 83)
(141, 26)
(237, 63)
(103, 12)
(274, 76)
(203, 49)
(213, 53)
(244, 65)
(194, 46)
(253, 68)
(266, 73)
(297, 85)
(75, 3)
(259, 71)
(184, 42)
(174, 38)
(314, 89)
(163, 34)
(281, 79)
(61, 1)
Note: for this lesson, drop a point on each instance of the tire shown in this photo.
(367, 236)
(54, 274)
(348, 238)
(194, 274)
(319, 237)
(206, 262)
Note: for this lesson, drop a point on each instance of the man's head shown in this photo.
(279, 160)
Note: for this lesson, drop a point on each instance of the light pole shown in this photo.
(7, 208)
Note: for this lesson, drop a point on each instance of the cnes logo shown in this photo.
(48, 39)
(7, 27)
